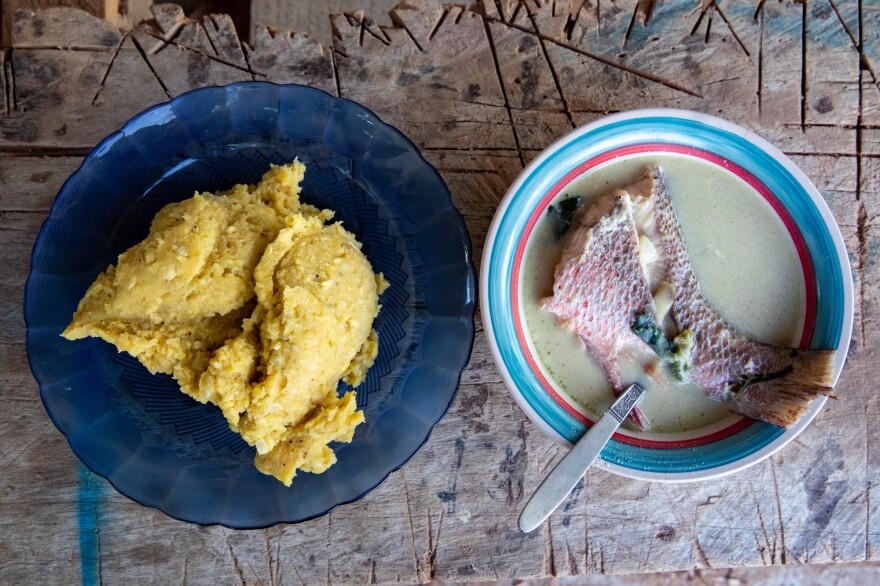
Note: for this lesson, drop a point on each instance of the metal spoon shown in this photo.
(574, 465)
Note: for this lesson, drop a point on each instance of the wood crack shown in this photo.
(208, 34)
(241, 46)
(43, 151)
(296, 571)
(731, 29)
(492, 565)
(831, 154)
(74, 49)
(461, 10)
(201, 53)
(335, 72)
(632, 22)
(109, 67)
(553, 73)
(522, 159)
(643, 8)
(353, 21)
(704, 559)
(412, 533)
(279, 570)
(397, 21)
(864, 63)
(759, 15)
(549, 563)
(269, 561)
(782, 552)
(703, 9)
(247, 60)
(235, 564)
(759, 9)
(631, 70)
(21, 449)
(803, 64)
(146, 59)
(862, 218)
(842, 126)
(439, 22)
(359, 18)
(771, 547)
(431, 550)
(515, 14)
(572, 17)
(588, 557)
(500, 11)
(453, 489)
(709, 23)
(867, 491)
(466, 171)
(333, 52)
(466, 149)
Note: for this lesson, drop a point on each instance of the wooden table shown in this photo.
(480, 91)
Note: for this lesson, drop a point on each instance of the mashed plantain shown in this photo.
(251, 301)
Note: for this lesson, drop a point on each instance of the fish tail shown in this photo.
(813, 368)
(783, 400)
(776, 402)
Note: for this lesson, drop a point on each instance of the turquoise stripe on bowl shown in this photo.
(831, 308)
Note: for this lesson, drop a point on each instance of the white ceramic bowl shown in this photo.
(735, 442)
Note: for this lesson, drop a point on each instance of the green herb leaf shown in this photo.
(745, 382)
(562, 213)
(675, 352)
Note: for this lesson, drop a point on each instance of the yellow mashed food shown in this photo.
(251, 301)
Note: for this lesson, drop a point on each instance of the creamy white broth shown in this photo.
(743, 257)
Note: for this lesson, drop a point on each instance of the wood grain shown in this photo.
(481, 91)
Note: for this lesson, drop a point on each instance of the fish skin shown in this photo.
(720, 353)
(723, 357)
(600, 286)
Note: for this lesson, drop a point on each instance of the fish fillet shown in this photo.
(599, 287)
(602, 284)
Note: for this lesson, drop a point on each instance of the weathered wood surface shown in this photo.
(481, 90)
(311, 17)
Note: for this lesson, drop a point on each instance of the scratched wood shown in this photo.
(481, 89)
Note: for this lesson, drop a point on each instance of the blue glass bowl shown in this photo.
(158, 446)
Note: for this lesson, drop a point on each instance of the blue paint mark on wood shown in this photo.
(89, 516)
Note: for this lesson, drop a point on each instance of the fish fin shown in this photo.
(777, 401)
(784, 399)
(812, 368)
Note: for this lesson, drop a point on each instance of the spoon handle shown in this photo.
(575, 463)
